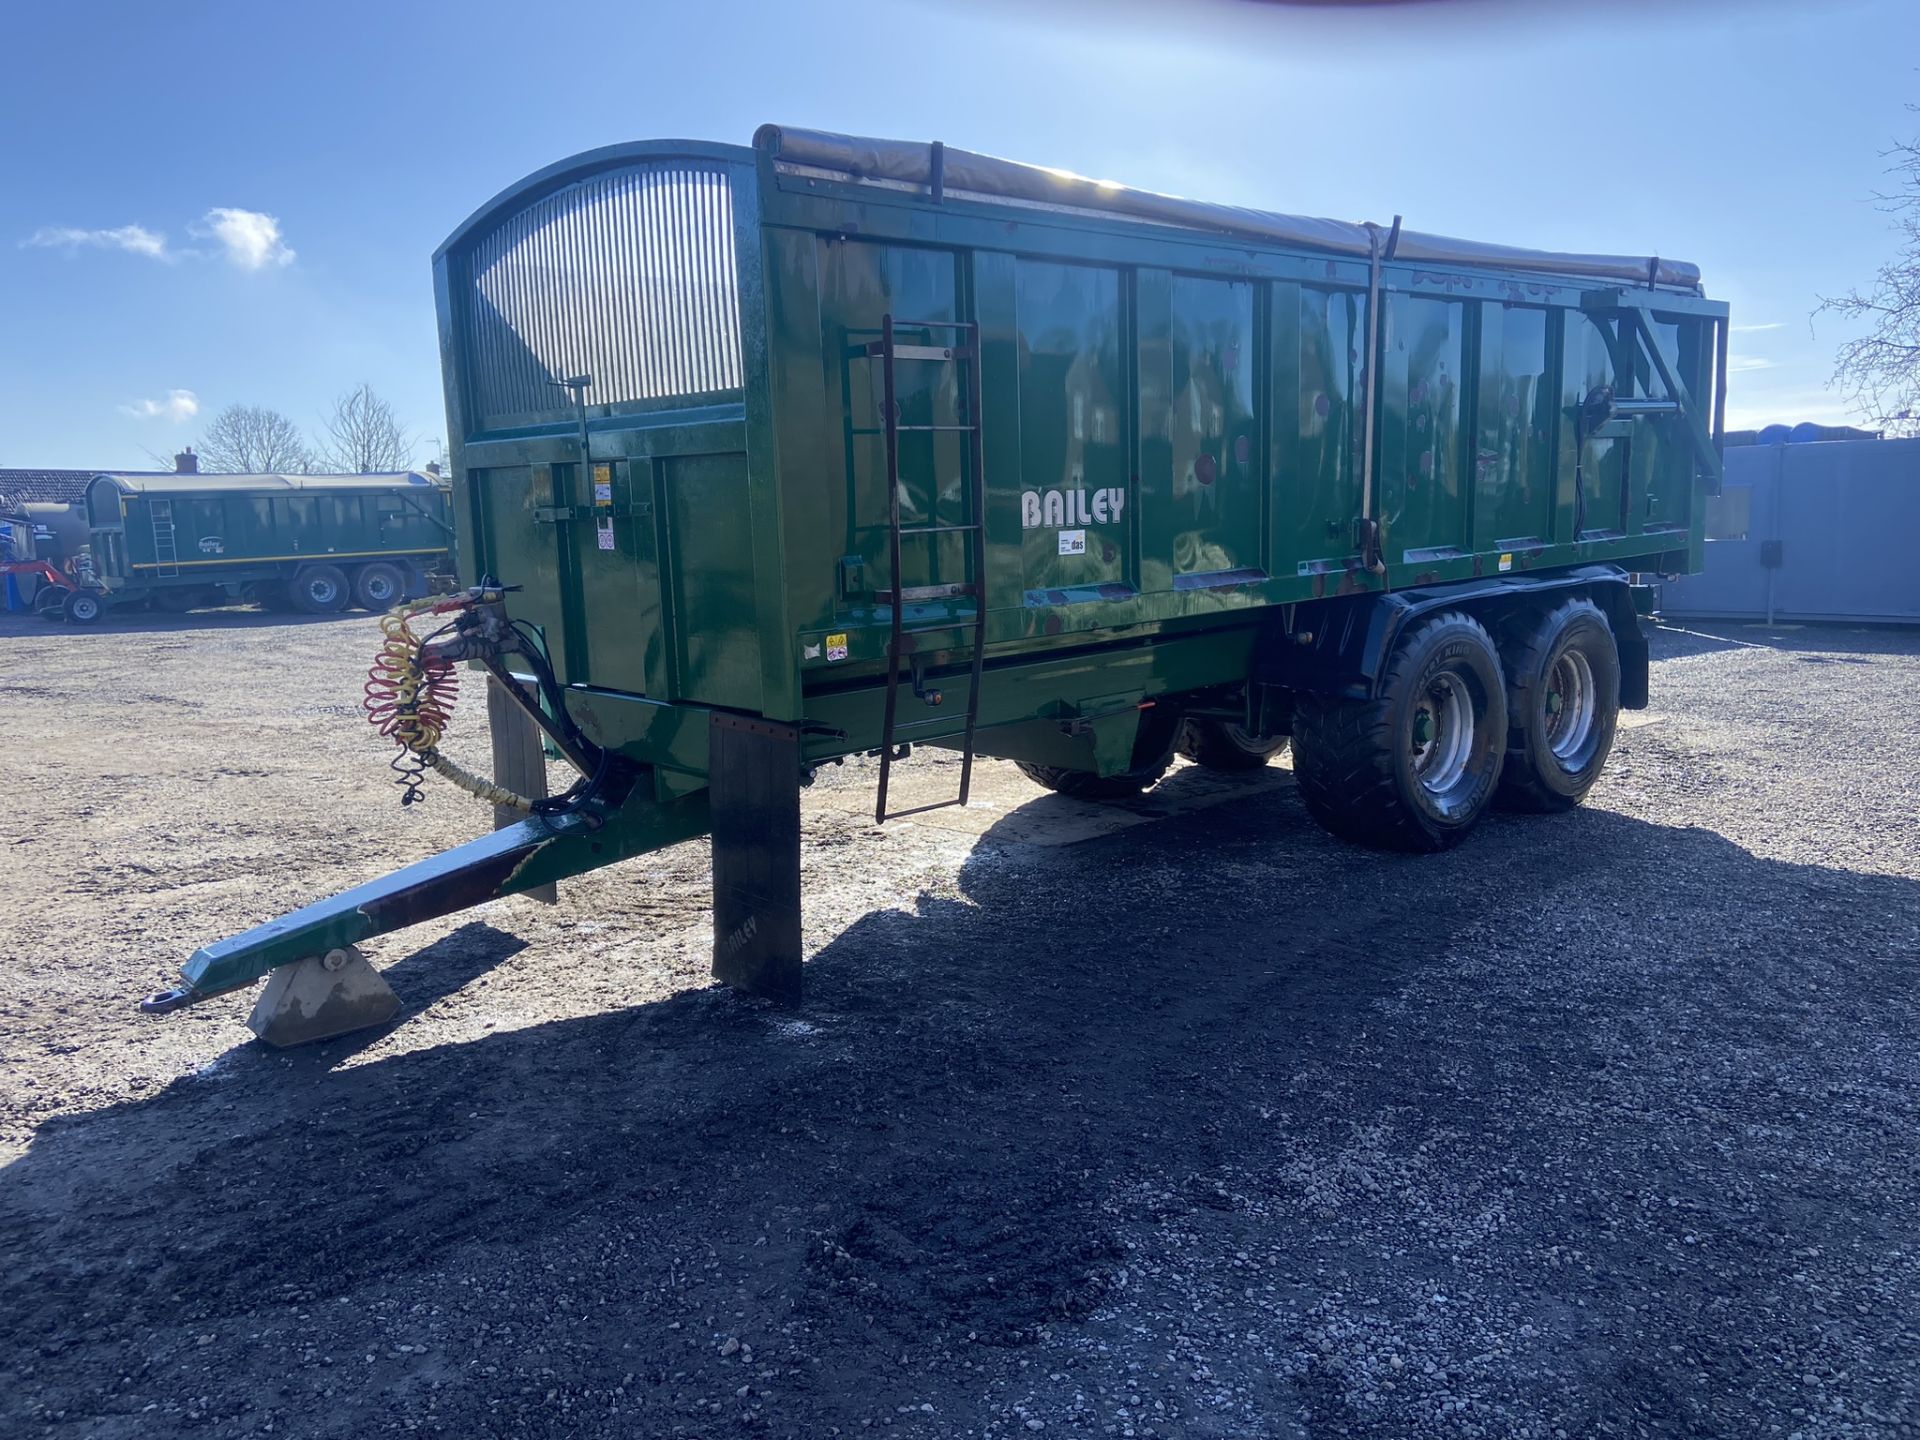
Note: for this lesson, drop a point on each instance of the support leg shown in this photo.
(519, 764)
(754, 798)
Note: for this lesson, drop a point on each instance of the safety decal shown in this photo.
(836, 647)
(1073, 542)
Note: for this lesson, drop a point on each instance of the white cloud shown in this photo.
(134, 239)
(251, 240)
(1742, 364)
(178, 406)
(1751, 329)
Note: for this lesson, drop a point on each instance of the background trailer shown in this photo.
(308, 542)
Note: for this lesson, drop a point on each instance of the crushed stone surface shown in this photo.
(1599, 1125)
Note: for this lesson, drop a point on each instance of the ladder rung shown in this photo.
(936, 529)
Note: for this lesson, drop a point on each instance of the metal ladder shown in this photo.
(166, 556)
(964, 351)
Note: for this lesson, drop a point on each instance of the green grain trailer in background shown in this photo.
(315, 543)
(765, 457)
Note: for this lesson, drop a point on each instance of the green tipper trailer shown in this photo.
(831, 446)
(315, 543)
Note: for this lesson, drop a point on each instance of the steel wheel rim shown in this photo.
(324, 592)
(1572, 706)
(379, 587)
(1442, 740)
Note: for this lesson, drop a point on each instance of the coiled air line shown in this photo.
(410, 693)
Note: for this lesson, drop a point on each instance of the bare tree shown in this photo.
(363, 437)
(1879, 372)
(253, 440)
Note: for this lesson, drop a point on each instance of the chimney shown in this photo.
(186, 462)
(433, 467)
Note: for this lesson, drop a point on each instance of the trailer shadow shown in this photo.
(987, 1100)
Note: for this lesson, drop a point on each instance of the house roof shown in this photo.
(47, 487)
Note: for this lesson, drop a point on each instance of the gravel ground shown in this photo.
(1601, 1124)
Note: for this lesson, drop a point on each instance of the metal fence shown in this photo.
(1822, 531)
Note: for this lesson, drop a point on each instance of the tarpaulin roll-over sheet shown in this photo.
(911, 163)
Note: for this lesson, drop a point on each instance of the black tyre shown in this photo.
(319, 590)
(379, 587)
(83, 607)
(1414, 768)
(1563, 705)
(1152, 754)
(1222, 745)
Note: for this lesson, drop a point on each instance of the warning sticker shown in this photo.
(1073, 542)
(836, 647)
(1506, 563)
(606, 533)
(603, 492)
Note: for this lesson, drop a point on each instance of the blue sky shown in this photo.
(209, 203)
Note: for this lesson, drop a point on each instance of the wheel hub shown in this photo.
(1442, 734)
(1572, 707)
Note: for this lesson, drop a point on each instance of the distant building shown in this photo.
(69, 487)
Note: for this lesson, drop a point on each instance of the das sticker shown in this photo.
(1073, 542)
(836, 647)
(1506, 563)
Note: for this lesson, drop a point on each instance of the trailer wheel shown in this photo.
(1414, 768)
(1152, 754)
(379, 587)
(83, 608)
(319, 590)
(1563, 700)
(1223, 745)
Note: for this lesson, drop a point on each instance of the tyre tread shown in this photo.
(1524, 643)
(1343, 757)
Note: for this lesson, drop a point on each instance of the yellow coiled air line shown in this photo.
(412, 705)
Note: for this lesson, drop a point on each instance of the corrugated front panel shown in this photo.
(629, 277)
